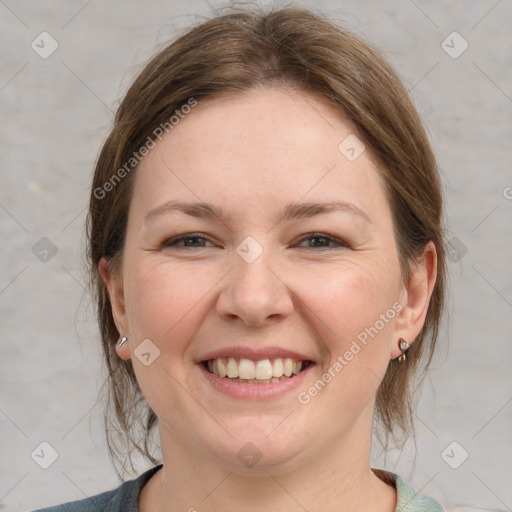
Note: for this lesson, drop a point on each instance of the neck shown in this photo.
(336, 478)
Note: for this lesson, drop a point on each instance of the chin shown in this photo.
(259, 444)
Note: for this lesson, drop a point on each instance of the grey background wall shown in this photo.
(56, 109)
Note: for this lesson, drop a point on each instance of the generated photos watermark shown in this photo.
(304, 397)
(137, 156)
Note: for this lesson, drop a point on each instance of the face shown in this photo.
(265, 274)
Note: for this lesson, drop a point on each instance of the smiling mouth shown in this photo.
(247, 371)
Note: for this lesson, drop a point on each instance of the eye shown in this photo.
(190, 240)
(322, 241)
(198, 240)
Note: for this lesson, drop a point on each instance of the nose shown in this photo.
(254, 294)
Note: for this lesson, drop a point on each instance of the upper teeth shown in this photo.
(247, 369)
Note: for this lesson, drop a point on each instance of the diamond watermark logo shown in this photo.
(44, 45)
(351, 148)
(454, 455)
(44, 250)
(455, 249)
(249, 250)
(249, 455)
(454, 45)
(44, 455)
(147, 352)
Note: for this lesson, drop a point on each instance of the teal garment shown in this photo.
(126, 498)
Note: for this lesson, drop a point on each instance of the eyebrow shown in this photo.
(290, 211)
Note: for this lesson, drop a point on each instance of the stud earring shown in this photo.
(121, 341)
(404, 347)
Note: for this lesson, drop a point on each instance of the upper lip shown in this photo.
(255, 354)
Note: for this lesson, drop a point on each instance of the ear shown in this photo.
(115, 291)
(416, 298)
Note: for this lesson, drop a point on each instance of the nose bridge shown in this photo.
(254, 293)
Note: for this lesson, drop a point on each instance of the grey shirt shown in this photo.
(126, 498)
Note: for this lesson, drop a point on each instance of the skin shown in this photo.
(252, 154)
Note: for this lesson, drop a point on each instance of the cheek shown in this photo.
(350, 298)
(354, 316)
(163, 300)
(166, 304)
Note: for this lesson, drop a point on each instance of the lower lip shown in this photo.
(255, 391)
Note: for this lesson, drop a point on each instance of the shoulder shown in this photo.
(103, 501)
(410, 500)
(125, 498)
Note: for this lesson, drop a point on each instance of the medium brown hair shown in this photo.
(231, 54)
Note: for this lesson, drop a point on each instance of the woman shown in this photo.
(266, 249)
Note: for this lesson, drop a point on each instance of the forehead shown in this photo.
(260, 147)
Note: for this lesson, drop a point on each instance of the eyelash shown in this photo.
(172, 242)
